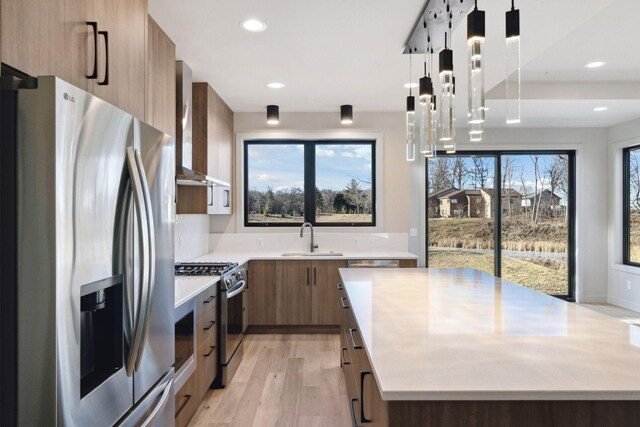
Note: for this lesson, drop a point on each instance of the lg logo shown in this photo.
(68, 97)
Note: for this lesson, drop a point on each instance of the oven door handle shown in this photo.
(239, 288)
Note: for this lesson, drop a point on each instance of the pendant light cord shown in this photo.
(513, 6)
(410, 82)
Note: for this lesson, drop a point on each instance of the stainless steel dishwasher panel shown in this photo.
(373, 263)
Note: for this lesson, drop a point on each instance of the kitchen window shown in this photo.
(631, 208)
(514, 216)
(327, 183)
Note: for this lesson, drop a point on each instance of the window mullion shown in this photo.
(310, 182)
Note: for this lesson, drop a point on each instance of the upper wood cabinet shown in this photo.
(212, 147)
(51, 37)
(160, 109)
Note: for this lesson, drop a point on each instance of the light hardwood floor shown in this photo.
(283, 380)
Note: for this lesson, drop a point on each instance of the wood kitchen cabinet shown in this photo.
(324, 294)
(293, 292)
(160, 78)
(51, 37)
(262, 293)
(212, 153)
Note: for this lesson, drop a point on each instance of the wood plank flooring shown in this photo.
(283, 380)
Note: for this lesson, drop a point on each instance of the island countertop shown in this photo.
(460, 334)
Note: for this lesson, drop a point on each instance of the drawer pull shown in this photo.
(362, 417)
(353, 412)
(208, 300)
(342, 300)
(339, 286)
(211, 323)
(353, 340)
(213, 348)
(186, 400)
(344, 361)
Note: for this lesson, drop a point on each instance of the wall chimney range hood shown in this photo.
(185, 175)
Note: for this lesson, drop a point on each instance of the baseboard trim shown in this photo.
(624, 304)
(293, 329)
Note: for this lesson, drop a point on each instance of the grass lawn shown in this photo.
(534, 276)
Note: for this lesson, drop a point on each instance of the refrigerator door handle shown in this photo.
(138, 197)
(151, 256)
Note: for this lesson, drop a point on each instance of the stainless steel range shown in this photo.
(232, 311)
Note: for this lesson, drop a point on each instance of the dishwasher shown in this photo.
(373, 263)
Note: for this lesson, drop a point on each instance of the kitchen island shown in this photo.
(459, 347)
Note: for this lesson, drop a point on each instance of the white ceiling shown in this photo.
(337, 52)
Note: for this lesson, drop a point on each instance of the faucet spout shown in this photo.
(312, 246)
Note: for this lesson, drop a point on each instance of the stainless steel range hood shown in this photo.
(185, 175)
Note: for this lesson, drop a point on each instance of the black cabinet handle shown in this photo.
(211, 323)
(343, 361)
(353, 341)
(308, 276)
(210, 191)
(339, 286)
(342, 300)
(315, 276)
(227, 202)
(362, 417)
(188, 398)
(353, 412)
(94, 28)
(212, 349)
(105, 34)
(208, 300)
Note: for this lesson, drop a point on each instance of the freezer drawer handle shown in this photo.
(186, 400)
(353, 340)
(153, 418)
(211, 350)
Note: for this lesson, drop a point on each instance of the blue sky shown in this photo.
(282, 166)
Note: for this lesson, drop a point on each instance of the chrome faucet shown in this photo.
(311, 245)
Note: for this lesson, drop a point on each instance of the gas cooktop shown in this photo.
(204, 268)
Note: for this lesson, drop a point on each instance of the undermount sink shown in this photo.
(312, 254)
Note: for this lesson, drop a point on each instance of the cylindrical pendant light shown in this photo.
(513, 64)
(475, 44)
(433, 129)
(411, 128)
(475, 132)
(346, 114)
(273, 114)
(424, 108)
(447, 107)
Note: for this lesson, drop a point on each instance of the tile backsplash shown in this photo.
(192, 236)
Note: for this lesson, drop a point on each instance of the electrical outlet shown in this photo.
(260, 243)
(629, 285)
(355, 242)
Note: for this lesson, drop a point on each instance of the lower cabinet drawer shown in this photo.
(206, 327)
(207, 367)
(187, 401)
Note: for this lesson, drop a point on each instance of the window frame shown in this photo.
(309, 154)
(497, 208)
(626, 208)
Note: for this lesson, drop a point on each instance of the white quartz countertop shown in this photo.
(187, 287)
(459, 334)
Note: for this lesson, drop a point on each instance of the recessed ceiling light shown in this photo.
(410, 85)
(275, 85)
(253, 25)
(600, 109)
(595, 64)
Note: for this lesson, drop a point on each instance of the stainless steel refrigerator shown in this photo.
(95, 294)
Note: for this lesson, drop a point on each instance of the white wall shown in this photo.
(620, 275)
(395, 215)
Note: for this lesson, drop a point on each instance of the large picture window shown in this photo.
(509, 214)
(631, 219)
(326, 183)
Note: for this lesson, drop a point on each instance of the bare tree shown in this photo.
(537, 195)
(556, 173)
(460, 172)
(480, 172)
(440, 174)
(525, 189)
(634, 181)
(508, 169)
